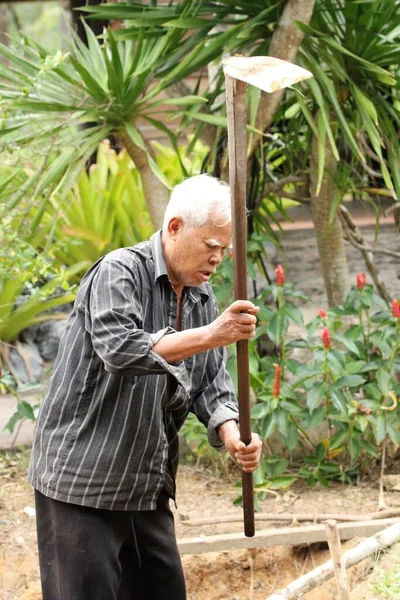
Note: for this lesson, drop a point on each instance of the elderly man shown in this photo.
(143, 346)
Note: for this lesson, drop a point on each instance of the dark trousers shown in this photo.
(93, 554)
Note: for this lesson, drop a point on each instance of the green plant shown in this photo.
(29, 283)
(386, 582)
(62, 106)
(106, 207)
(104, 210)
(197, 447)
(348, 385)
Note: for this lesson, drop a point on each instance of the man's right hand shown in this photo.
(237, 322)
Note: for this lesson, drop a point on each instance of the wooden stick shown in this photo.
(237, 147)
(299, 517)
(339, 568)
(381, 501)
(280, 536)
(371, 545)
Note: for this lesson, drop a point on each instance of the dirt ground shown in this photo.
(235, 575)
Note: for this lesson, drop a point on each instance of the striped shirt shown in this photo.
(107, 430)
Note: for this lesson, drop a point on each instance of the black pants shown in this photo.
(93, 554)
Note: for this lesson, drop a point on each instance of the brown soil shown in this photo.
(237, 575)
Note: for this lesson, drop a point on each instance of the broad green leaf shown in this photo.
(282, 482)
(338, 439)
(383, 379)
(339, 401)
(348, 381)
(25, 410)
(350, 345)
(315, 396)
(294, 314)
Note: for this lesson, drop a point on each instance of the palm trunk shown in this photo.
(155, 192)
(329, 237)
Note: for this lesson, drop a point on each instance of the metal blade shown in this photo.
(264, 72)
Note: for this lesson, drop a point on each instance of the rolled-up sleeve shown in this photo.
(115, 324)
(215, 402)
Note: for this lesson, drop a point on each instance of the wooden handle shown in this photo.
(237, 146)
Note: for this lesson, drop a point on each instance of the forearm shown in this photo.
(177, 346)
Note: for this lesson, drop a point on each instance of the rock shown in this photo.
(47, 338)
(26, 362)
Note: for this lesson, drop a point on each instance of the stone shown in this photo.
(47, 337)
(26, 362)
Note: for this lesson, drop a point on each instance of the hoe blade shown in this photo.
(264, 72)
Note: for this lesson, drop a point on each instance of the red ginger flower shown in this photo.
(280, 275)
(326, 338)
(396, 309)
(361, 281)
(322, 313)
(276, 390)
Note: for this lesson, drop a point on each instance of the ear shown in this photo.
(175, 225)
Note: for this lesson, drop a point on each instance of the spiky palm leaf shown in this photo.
(61, 107)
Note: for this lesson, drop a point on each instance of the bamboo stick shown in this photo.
(339, 568)
(296, 517)
(296, 589)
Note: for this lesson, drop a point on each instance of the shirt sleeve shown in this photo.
(115, 324)
(215, 402)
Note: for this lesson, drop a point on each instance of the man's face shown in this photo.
(196, 252)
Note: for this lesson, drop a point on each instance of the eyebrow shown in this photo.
(214, 242)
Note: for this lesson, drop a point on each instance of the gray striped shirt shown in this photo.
(107, 431)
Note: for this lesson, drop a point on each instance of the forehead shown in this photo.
(221, 236)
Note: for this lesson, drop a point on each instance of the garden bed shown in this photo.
(236, 575)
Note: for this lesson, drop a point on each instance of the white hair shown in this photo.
(199, 200)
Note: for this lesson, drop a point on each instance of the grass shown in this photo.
(386, 582)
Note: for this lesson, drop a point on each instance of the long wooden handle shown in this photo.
(237, 147)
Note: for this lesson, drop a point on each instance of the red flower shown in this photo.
(276, 390)
(230, 253)
(326, 338)
(396, 309)
(322, 313)
(280, 275)
(361, 281)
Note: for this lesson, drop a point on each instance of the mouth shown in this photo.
(205, 275)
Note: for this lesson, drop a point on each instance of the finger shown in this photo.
(248, 462)
(253, 446)
(246, 318)
(247, 328)
(243, 306)
(250, 469)
(248, 466)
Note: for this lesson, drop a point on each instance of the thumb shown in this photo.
(239, 446)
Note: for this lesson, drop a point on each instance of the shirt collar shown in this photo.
(160, 268)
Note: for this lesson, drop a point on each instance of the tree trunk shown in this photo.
(155, 192)
(285, 42)
(329, 237)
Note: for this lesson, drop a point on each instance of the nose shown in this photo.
(216, 257)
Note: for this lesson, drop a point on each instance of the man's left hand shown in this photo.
(247, 457)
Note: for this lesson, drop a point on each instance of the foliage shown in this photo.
(30, 283)
(338, 400)
(62, 106)
(348, 384)
(353, 50)
(106, 207)
(195, 439)
(33, 19)
(104, 210)
(386, 582)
